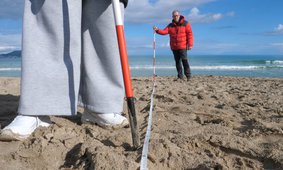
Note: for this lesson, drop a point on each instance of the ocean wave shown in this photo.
(274, 62)
(146, 67)
(10, 69)
(227, 67)
(221, 67)
(235, 67)
(255, 62)
(166, 67)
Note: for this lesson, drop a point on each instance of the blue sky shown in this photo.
(219, 26)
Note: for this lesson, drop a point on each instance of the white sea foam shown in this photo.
(10, 69)
(219, 67)
(147, 67)
(227, 67)
(274, 62)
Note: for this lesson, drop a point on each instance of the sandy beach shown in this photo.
(211, 122)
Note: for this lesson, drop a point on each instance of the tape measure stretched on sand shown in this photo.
(148, 130)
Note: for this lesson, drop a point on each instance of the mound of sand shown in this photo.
(207, 123)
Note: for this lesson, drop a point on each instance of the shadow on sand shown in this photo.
(8, 108)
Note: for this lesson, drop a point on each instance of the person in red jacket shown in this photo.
(181, 40)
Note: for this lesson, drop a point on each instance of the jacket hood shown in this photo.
(125, 2)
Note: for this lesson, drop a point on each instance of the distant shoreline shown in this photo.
(16, 53)
(216, 65)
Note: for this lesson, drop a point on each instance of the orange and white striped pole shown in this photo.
(126, 72)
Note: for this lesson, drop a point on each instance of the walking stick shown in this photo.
(126, 72)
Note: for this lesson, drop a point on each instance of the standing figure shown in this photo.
(181, 40)
(70, 57)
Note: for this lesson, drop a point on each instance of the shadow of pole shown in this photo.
(67, 57)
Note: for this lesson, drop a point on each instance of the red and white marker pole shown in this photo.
(126, 72)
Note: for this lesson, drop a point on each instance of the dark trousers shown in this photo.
(181, 58)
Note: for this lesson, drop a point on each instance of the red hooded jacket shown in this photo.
(181, 35)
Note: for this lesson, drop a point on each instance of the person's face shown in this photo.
(176, 16)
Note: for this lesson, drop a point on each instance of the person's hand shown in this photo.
(155, 28)
(189, 48)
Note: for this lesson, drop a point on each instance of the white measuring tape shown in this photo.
(148, 130)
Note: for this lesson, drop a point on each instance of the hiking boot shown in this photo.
(114, 120)
(189, 78)
(21, 128)
(179, 79)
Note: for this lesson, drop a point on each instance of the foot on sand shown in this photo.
(179, 79)
(113, 120)
(189, 78)
(21, 128)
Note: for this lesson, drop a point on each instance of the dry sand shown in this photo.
(207, 123)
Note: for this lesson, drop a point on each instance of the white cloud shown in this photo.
(230, 14)
(10, 42)
(162, 45)
(138, 11)
(278, 45)
(276, 31)
(217, 47)
(144, 45)
(142, 11)
(195, 17)
(279, 29)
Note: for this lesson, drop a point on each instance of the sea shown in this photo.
(215, 65)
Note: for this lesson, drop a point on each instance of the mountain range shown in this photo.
(13, 54)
